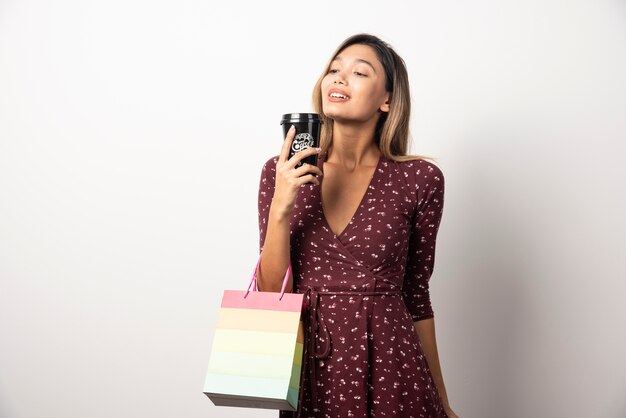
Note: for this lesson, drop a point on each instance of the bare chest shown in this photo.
(342, 194)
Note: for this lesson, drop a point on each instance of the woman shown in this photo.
(360, 231)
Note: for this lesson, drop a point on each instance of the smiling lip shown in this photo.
(338, 99)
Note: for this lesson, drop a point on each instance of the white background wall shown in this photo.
(132, 134)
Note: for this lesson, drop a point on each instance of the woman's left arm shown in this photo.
(429, 185)
(426, 332)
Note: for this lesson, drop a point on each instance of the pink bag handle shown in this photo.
(253, 280)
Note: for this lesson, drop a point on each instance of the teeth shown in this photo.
(340, 96)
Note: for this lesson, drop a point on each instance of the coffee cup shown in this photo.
(308, 127)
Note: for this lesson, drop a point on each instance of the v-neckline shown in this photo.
(358, 209)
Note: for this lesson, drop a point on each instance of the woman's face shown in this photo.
(354, 87)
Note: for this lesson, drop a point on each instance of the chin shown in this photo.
(342, 117)
(332, 112)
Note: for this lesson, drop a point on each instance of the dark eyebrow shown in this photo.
(338, 58)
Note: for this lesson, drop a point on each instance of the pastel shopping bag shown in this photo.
(256, 355)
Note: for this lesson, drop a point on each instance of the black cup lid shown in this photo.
(300, 117)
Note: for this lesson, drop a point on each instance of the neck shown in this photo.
(353, 145)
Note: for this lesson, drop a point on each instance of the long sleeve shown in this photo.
(421, 252)
(266, 192)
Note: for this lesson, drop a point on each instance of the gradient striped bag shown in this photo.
(256, 356)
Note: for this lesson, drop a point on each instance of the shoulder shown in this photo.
(421, 173)
(269, 167)
(268, 173)
(426, 182)
(271, 163)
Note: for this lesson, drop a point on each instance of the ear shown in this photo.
(385, 106)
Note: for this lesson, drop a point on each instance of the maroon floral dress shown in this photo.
(364, 288)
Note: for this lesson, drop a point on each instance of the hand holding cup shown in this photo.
(291, 172)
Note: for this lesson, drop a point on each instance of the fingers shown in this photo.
(301, 155)
(283, 158)
(284, 151)
(286, 167)
(307, 168)
(309, 178)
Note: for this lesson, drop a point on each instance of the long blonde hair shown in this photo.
(392, 130)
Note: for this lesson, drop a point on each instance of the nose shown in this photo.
(339, 79)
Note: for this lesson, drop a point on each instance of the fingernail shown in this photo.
(293, 128)
(318, 149)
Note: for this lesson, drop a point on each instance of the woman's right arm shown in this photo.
(276, 243)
